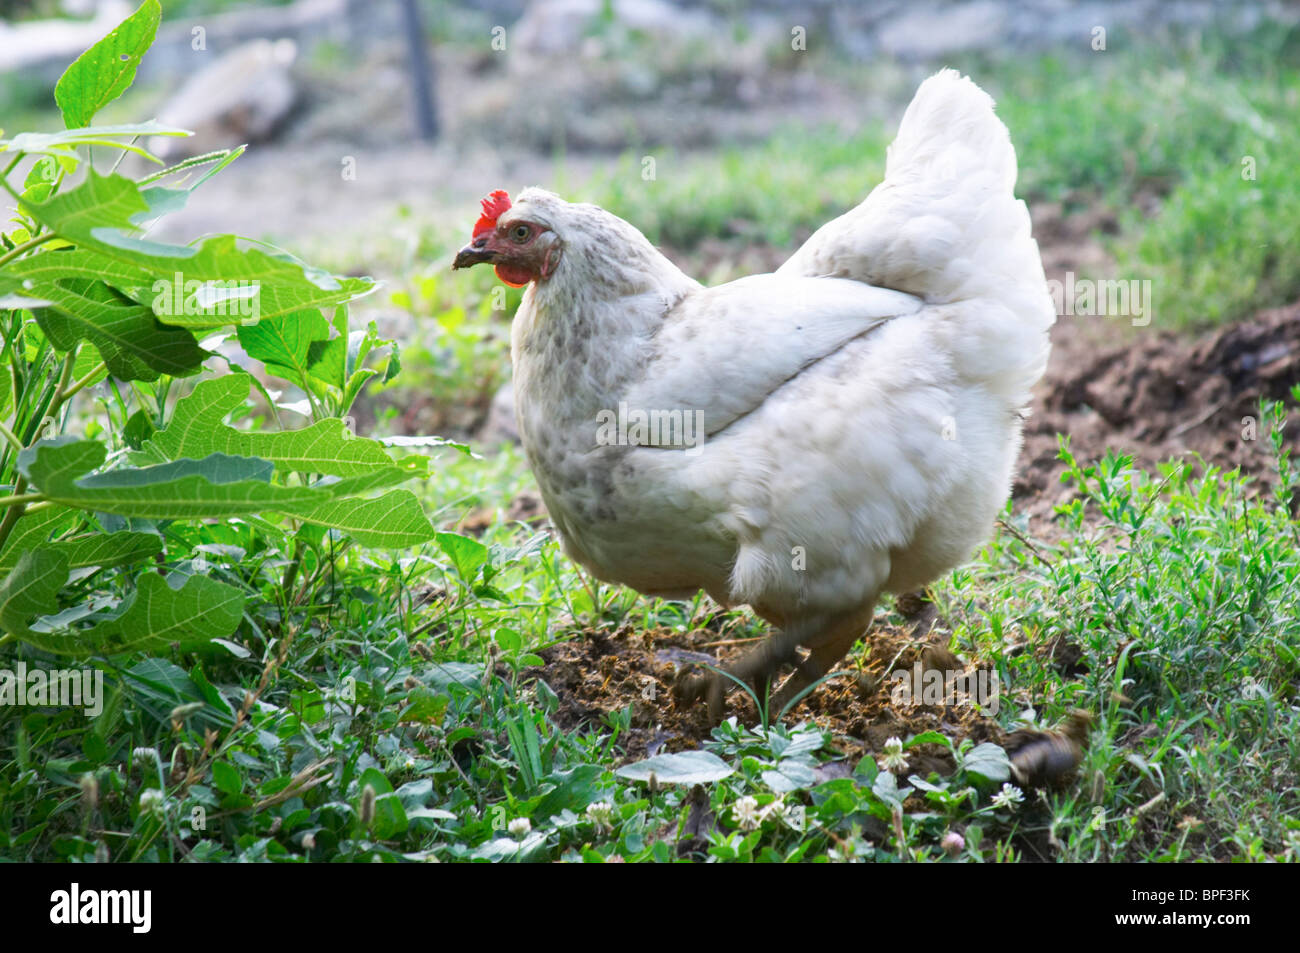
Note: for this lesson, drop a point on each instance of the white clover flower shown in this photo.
(519, 828)
(152, 801)
(746, 813)
(1251, 688)
(893, 759)
(1009, 796)
(776, 811)
(846, 851)
(953, 843)
(601, 814)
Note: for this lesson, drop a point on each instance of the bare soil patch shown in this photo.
(603, 672)
(1156, 396)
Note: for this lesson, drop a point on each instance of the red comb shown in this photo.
(494, 206)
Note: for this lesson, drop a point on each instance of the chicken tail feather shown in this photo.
(945, 223)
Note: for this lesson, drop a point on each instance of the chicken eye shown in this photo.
(520, 233)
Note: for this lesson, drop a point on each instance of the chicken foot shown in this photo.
(830, 643)
(756, 669)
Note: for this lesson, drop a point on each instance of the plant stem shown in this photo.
(134, 140)
(13, 513)
(21, 500)
(61, 392)
(84, 380)
(291, 574)
(11, 437)
(16, 505)
(26, 247)
(4, 178)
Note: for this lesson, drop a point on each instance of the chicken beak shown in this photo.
(475, 253)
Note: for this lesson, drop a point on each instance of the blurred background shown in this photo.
(1157, 143)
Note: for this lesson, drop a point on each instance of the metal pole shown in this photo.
(426, 116)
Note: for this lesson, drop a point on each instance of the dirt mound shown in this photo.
(1158, 396)
(606, 672)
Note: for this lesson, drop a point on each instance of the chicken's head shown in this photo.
(519, 240)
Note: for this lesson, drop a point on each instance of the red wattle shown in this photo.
(514, 275)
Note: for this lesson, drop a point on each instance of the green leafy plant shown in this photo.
(88, 297)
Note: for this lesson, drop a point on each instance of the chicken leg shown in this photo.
(828, 642)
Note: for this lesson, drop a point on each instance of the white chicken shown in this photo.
(799, 442)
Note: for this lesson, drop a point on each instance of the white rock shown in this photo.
(23, 44)
(930, 31)
(241, 97)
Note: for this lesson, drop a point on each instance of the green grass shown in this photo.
(1182, 592)
(1202, 124)
(776, 193)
